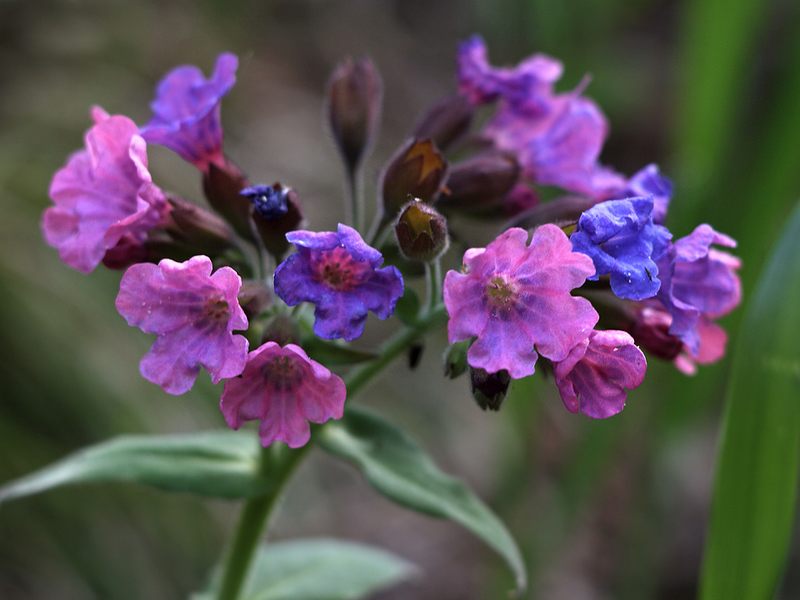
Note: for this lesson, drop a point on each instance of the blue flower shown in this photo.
(623, 241)
(268, 201)
(650, 182)
(339, 273)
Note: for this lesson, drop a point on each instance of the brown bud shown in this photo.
(489, 389)
(421, 232)
(221, 185)
(446, 121)
(196, 228)
(355, 93)
(480, 183)
(417, 170)
(273, 225)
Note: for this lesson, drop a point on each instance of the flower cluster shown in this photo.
(533, 293)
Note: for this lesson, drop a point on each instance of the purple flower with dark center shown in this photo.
(557, 138)
(194, 314)
(103, 196)
(284, 389)
(339, 273)
(621, 239)
(516, 300)
(595, 375)
(268, 201)
(696, 280)
(186, 112)
(650, 182)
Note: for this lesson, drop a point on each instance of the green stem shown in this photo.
(277, 463)
(393, 348)
(433, 274)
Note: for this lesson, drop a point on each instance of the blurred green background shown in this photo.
(708, 89)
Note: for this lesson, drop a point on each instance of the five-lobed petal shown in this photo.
(284, 389)
(194, 314)
(515, 298)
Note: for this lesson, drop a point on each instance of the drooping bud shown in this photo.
(446, 121)
(480, 183)
(196, 228)
(221, 186)
(417, 170)
(489, 389)
(276, 212)
(421, 232)
(354, 93)
(455, 359)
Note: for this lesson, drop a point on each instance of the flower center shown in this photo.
(501, 292)
(282, 373)
(337, 269)
(217, 309)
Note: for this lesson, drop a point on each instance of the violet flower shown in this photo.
(621, 239)
(595, 375)
(104, 196)
(516, 300)
(650, 182)
(557, 138)
(339, 273)
(284, 389)
(186, 112)
(696, 280)
(194, 314)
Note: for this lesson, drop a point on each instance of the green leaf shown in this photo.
(323, 569)
(407, 308)
(757, 467)
(223, 464)
(395, 466)
(334, 354)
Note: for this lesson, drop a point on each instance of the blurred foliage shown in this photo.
(708, 89)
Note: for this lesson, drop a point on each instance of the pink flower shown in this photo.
(516, 300)
(194, 314)
(284, 389)
(104, 195)
(595, 375)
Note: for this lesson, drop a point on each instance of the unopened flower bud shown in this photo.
(254, 297)
(282, 329)
(651, 332)
(480, 183)
(276, 212)
(354, 105)
(221, 186)
(446, 121)
(421, 232)
(489, 389)
(455, 359)
(417, 170)
(196, 228)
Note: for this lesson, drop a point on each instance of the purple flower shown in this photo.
(339, 273)
(104, 195)
(557, 138)
(186, 112)
(595, 375)
(268, 201)
(194, 314)
(515, 297)
(698, 280)
(621, 239)
(650, 182)
(285, 389)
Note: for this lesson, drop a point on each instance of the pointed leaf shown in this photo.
(757, 467)
(395, 466)
(333, 354)
(223, 464)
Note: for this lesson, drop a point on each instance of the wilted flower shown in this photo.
(194, 314)
(284, 389)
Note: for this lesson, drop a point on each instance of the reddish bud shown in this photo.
(221, 185)
(196, 228)
(446, 121)
(274, 222)
(480, 183)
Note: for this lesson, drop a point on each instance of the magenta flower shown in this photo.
(595, 375)
(339, 273)
(696, 280)
(284, 389)
(516, 300)
(194, 314)
(103, 196)
(557, 138)
(186, 112)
